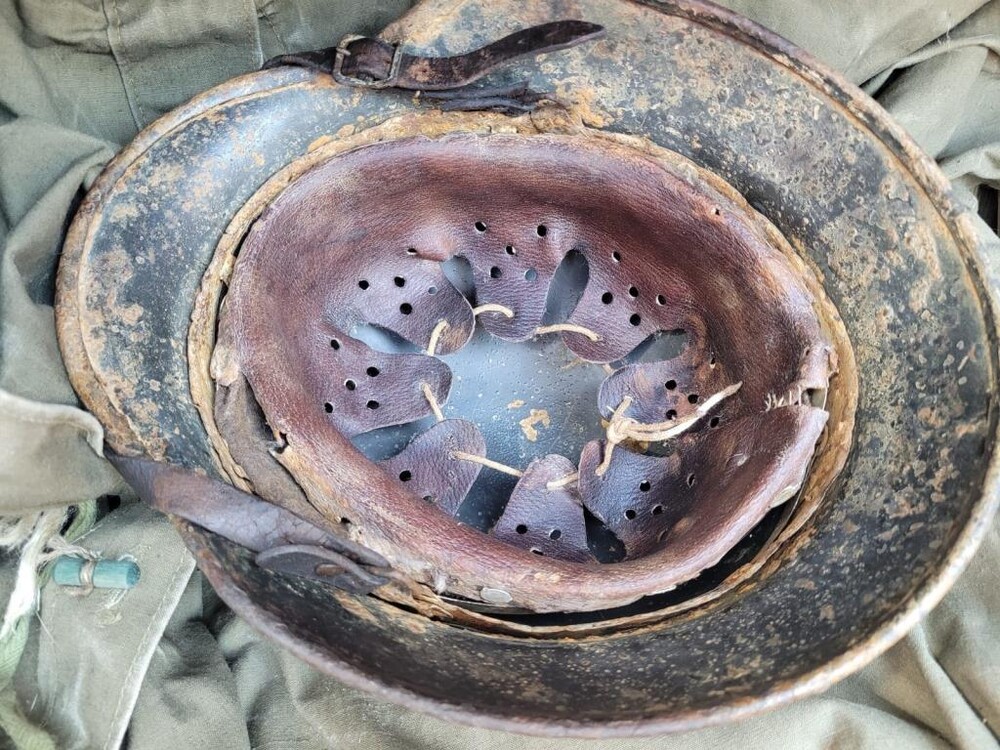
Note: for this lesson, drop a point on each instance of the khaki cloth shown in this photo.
(168, 665)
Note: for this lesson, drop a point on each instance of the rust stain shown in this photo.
(356, 608)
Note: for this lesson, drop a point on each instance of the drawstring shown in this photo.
(620, 428)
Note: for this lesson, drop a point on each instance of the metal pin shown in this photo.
(71, 570)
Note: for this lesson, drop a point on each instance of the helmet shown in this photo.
(603, 395)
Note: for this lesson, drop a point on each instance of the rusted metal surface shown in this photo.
(868, 213)
(831, 455)
(306, 277)
(371, 63)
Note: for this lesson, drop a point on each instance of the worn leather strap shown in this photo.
(285, 542)
(321, 564)
(374, 63)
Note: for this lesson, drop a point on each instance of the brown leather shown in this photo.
(427, 468)
(320, 564)
(250, 440)
(358, 388)
(650, 502)
(359, 241)
(245, 519)
(371, 59)
(546, 521)
(375, 63)
(669, 389)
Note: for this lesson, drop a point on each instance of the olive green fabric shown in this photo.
(77, 78)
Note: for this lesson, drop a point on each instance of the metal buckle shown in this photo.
(342, 52)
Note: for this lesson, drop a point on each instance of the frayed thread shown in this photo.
(38, 539)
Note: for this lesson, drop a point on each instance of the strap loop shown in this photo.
(366, 62)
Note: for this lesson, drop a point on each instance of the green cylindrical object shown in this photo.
(107, 574)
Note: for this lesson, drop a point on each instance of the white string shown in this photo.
(435, 407)
(439, 329)
(496, 465)
(622, 428)
(492, 307)
(571, 328)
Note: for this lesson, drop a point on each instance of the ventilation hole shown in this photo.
(555, 534)
(531, 274)
(693, 398)
(480, 226)
(411, 251)
(399, 281)
(662, 536)
(364, 284)
(813, 397)
(805, 352)
(495, 272)
(630, 514)
(350, 385)
(541, 230)
(345, 521)
(328, 407)
(643, 486)
(716, 211)
(713, 422)
(405, 475)
(657, 510)
(711, 361)
(334, 344)
(538, 552)
(635, 319)
(633, 292)
(521, 529)
(510, 250)
(671, 414)
(373, 404)
(670, 385)
(406, 308)
(430, 499)
(616, 256)
(607, 298)
(566, 289)
(432, 290)
(660, 299)
(690, 480)
(372, 372)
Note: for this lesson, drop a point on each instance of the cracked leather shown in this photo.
(240, 517)
(733, 471)
(660, 256)
(365, 60)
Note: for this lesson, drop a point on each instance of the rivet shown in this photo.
(495, 596)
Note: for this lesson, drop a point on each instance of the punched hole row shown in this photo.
(370, 404)
(634, 319)
(607, 298)
(496, 272)
(631, 514)
(405, 308)
(693, 398)
(541, 230)
(406, 475)
(554, 534)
